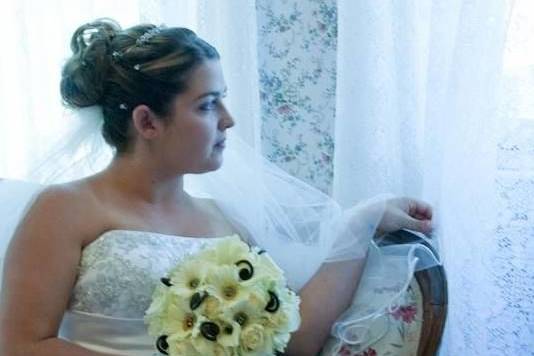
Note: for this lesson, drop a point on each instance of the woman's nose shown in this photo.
(226, 121)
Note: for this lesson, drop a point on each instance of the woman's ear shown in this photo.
(147, 124)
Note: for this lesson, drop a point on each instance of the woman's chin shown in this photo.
(212, 165)
(216, 166)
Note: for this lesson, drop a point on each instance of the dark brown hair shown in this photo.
(120, 69)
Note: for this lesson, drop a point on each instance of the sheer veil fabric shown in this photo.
(298, 225)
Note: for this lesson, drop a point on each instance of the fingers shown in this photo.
(424, 226)
(419, 209)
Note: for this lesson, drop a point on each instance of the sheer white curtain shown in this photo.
(36, 43)
(419, 113)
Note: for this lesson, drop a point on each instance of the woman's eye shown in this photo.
(209, 106)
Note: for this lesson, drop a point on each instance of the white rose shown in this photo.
(253, 339)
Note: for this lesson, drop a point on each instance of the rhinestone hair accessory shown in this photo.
(142, 40)
(145, 37)
(116, 55)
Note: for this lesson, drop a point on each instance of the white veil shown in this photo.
(299, 226)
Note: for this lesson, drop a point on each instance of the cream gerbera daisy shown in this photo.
(246, 311)
(190, 277)
(226, 252)
(173, 318)
(225, 284)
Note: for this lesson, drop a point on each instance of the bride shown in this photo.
(85, 258)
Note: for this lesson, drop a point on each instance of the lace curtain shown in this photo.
(421, 109)
(36, 42)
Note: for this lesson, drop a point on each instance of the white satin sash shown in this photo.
(117, 336)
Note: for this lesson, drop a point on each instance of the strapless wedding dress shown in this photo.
(120, 269)
(117, 275)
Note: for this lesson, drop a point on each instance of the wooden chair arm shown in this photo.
(433, 284)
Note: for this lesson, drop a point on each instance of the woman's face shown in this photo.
(193, 140)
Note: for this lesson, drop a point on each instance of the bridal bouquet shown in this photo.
(228, 299)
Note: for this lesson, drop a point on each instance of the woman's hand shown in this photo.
(405, 213)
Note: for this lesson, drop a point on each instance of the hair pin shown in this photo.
(123, 106)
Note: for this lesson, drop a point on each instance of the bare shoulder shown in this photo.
(60, 197)
(65, 209)
(41, 264)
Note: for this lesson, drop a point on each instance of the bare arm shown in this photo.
(39, 274)
(331, 290)
(323, 299)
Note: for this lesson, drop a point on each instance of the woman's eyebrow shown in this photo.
(214, 93)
